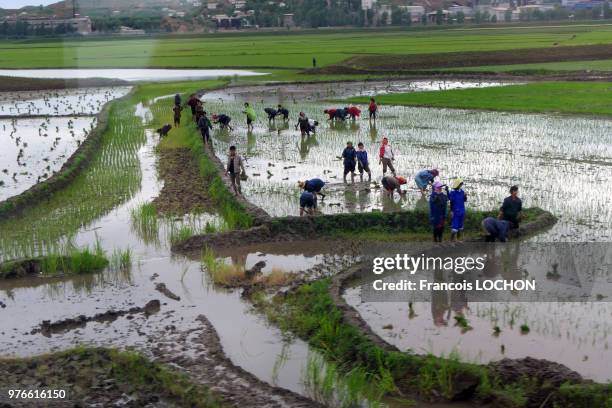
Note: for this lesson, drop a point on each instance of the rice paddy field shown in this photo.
(562, 164)
(286, 49)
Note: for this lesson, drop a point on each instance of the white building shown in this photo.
(367, 4)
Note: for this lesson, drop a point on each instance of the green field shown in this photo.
(285, 50)
(556, 97)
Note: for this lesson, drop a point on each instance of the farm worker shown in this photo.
(393, 183)
(235, 164)
(372, 109)
(177, 99)
(362, 161)
(438, 201)
(457, 198)
(331, 112)
(308, 203)
(204, 125)
(424, 178)
(193, 103)
(313, 125)
(271, 112)
(199, 111)
(282, 111)
(349, 156)
(386, 156)
(223, 120)
(496, 229)
(511, 208)
(341, 114)
(250, 115)
(177, 114)
(314, 186)
(314, 62)
(304, 124)
(353, 111)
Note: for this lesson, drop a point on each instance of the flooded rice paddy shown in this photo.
(40, 130)
(561, 163)
(130, 74)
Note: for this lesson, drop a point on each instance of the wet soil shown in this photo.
(184, 190)
(407, 63)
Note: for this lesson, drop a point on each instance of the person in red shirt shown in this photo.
(353, 111)
(331, 112)
(372, 108)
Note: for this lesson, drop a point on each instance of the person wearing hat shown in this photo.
(349, 156)
(511, 208)
(438, 202)
(457, 198)
(424, 178)
(393, 183)
(308, 203)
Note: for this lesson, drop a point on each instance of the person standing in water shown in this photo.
(235, 165)
(438, 202)
(250, 116)
(304, 124)
(363, 162)
(372, 109)
(457, 198)
(386, 156)
(349, 157)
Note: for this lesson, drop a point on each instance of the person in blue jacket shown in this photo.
(177, 99)
(424, 178)
(349, 156)
(496, 229)
(438, 202)
(457, 198)
(363, 162)
(313, 186)
(308, 203)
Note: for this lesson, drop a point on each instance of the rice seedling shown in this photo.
(121, 260)
(220, 272)
(525, 328)
(144, 222)
(461, 321)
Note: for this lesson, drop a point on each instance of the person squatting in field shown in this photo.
(349, 157)
(280, 110)
(438, 202)
(204, 125)
(424, 178)
(457, 199)
(392, 184)
(386, 156)
(309, 202)
(235, 165)
(223, 120)
(271, 112)
(496, 229)
(336, 114)
(251, 116)
(363, 162)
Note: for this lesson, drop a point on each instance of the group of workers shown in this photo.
(444, 205)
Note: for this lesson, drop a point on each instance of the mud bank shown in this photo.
(185, 190)
(73, 166)
(286, 229)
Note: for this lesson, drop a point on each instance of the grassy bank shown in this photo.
(589, 98)
(100, 376)
(311, 314)
(271, 50)
(379, 226)
(187, 136)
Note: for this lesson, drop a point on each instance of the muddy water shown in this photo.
(246, 336)
(562, 164)
(131, 75)
(33, 149)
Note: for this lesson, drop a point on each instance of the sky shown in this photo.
(15, 4)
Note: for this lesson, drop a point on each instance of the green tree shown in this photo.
(439, 17)
(460, 17)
